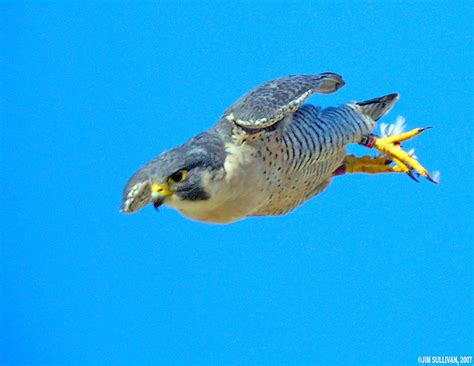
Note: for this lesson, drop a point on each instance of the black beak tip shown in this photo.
(157, 203)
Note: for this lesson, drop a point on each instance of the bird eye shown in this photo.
(177, 177)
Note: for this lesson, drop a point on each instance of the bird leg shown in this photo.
(391, 148)
(366, 164)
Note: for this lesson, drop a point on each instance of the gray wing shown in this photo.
(273, 100)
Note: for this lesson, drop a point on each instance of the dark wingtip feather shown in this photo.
(378, 107)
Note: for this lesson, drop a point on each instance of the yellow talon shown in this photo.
(390, 146)
(367, 164)
(375, 165)
(400, 165)
(406, 135)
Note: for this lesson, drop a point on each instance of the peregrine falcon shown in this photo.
(269, 153)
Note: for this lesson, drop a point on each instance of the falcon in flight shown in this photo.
(269, 153)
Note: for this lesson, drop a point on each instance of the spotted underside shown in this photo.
(296, 159)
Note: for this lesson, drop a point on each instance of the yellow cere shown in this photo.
(160, 189)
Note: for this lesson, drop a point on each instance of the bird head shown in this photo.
(175, 175)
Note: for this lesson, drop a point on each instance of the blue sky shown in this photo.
(377, 269)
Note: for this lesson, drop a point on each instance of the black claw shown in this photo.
(410, 174)
(158, 202)
(431, 179)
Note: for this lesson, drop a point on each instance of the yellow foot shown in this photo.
(369, 165)
(404, 162)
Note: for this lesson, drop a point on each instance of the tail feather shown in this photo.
(378, 107)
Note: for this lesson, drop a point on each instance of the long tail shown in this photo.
(378, 107)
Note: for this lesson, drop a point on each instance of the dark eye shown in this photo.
(177, 177)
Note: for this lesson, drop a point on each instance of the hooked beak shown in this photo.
(158, 202)
(159, 192)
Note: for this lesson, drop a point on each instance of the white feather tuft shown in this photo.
(412, 154)
(436, 176)
(396, 128)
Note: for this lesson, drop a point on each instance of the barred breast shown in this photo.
(299, 157)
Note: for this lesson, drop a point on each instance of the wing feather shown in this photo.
(272, 101)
